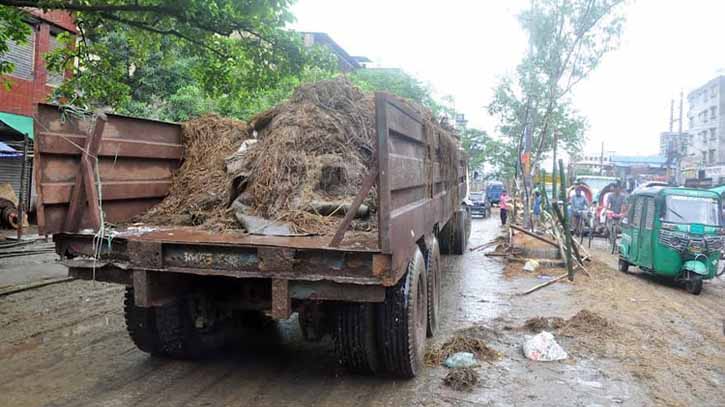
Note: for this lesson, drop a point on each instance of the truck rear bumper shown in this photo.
(300, 270)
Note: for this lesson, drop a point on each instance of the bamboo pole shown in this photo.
(567, 232)
(542, 285)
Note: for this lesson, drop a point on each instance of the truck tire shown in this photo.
(454, 235)
(355, 339)
(402, 321)
(169, 330)
(433, 274)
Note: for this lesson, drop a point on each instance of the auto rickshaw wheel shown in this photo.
(623, 266)
(694, 285)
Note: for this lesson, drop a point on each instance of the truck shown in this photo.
(189, 291)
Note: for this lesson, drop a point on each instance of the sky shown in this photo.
(463, 48)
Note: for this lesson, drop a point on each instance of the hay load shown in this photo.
(199, 193)
(310, 159)
(295, 169)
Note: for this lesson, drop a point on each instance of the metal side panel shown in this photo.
(136, 160)
(422, 177)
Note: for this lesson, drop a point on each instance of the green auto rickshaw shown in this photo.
(673, 232)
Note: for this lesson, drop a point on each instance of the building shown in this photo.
(595, 163)
(30, 83)
(706, 131)
(673, 143)
(346, 62)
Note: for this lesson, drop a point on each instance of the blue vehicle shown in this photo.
(493, 191)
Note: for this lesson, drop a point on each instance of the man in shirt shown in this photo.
(579, 206)
(616, 200)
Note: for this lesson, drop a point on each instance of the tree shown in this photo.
(398, 82)
(12, 28)
(130, 51)
(567, 40)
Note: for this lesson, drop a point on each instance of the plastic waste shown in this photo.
(531, 266)
(461, 360)
(543, 348)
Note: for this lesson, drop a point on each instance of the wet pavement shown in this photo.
(66, 345)
(29, 268)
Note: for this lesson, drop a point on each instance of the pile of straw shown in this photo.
(328, 123)
(199, 194)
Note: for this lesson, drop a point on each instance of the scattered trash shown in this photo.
(531, 266)
(544, 277)
(461, 379)
(543, 348)
(461, 344)
(461, 360)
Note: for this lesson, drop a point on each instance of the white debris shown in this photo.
(461, 360)
(543, 348)
(531, 266)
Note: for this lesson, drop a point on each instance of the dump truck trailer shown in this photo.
(189, 291)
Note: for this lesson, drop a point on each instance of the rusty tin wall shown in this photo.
(136, 160)
(422, 178)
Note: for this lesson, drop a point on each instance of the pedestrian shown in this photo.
(537, 208)
(503, 205)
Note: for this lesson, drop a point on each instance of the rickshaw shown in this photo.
(584, 222)
(673, 232)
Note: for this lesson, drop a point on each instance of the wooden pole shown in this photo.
(542, 285)
(543, 239)
(567, 232)
(22, 198)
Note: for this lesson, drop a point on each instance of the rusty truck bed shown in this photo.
(113, 168)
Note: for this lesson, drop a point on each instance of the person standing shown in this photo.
(537, 208)
(503, 206)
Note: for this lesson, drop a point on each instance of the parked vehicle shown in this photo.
(479, 204)
(188, 288)
(673, 232)
(596, 184)
(493, 191)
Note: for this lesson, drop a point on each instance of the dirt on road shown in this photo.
(66, 345)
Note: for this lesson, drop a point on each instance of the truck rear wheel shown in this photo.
(355, 340)
(173, 330)
(433, 276)
(402, 321)
(454, 235)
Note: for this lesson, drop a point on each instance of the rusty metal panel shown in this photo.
(421, 182)
(329, 291)
(136, 160)
(281, 302)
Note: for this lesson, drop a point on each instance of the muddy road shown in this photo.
(66, 345)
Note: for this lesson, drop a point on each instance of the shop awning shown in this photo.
(14, 123)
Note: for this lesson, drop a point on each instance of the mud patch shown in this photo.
(539, 324)
(515, 269)
(589, 323)
(461, 343)
(461, 379)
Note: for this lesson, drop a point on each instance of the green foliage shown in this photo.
(492, 156)
(398, 82)
(509, 105)
(567, 40)
(12, 28)
(176, 59)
